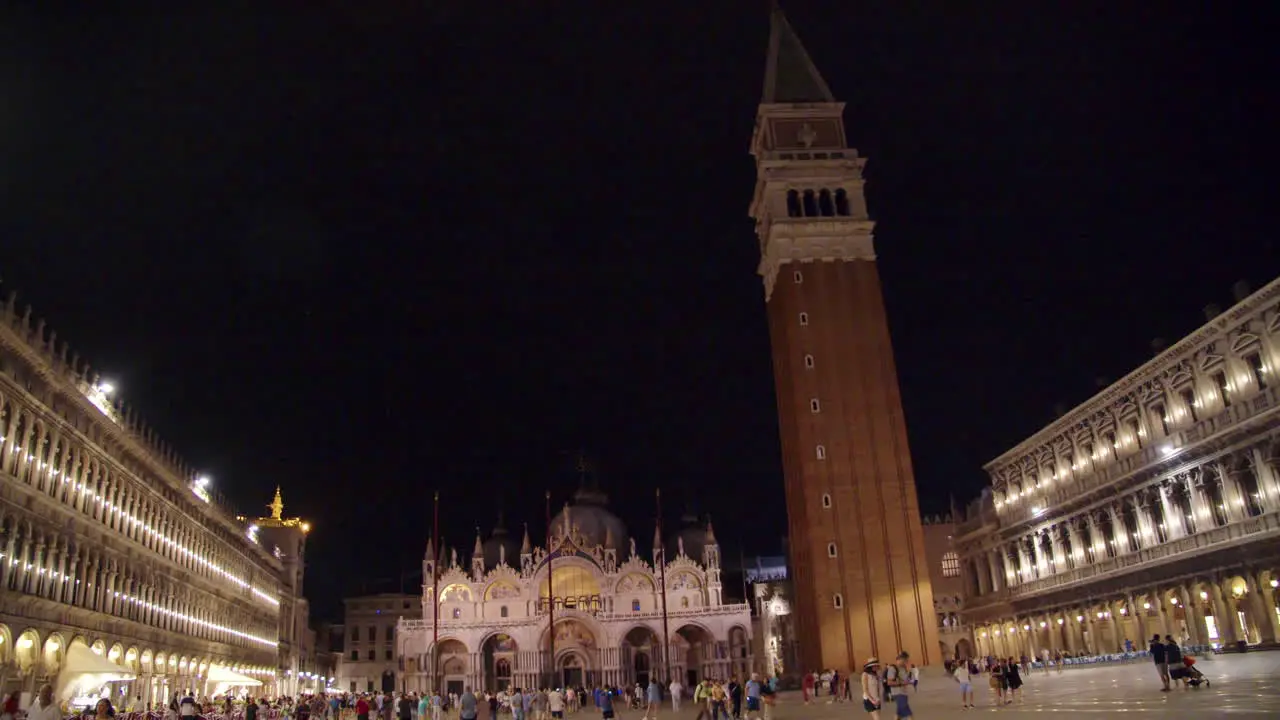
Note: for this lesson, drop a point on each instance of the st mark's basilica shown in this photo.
(582, 610)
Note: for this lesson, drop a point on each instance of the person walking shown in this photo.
(872, 688)
(676, 690)
(1159, 656)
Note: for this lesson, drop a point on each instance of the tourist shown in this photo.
(362, 708)
(996, 681)
(104, 710)
(753, 692)
(44, 708)
(1013, 678)
(468, 705)
(606, 704)
(1159, 656)
(555, 701)
(655, 699)
(718, 700)
(702, 699)
(898, 678)
(963, 673)
(807, 686)
(676, 690)
(735, 697)
(872, 688)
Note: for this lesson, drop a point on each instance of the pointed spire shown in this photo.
(657, 538)
(430, 553)
(277, 506)
(525, 545)
(789, 74)
(711, 533)
(479, 548)
(608, 537)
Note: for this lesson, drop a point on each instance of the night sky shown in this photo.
(372, 250)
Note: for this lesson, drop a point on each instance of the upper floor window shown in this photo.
(457, 613)
(684, 602)
(502, 612)
(1258, 369)
(1220, 379)
(831, 550)
(837, 600)
(798, 277)
(373, 633)
(793, 204)
(826, 500)
(1189, 399)
(815, 406)
(808, 362)
(821, 452)
(842, 202)
(1163, 416)
(804, 318)
(355, 655)
(950, 564)
(635, 606)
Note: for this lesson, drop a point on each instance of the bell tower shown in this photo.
(857, 548)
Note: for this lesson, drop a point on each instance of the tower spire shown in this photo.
(277, 506)
(789, 74)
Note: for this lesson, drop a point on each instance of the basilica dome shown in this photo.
(501, 545)
(590, 513)
(693, 533)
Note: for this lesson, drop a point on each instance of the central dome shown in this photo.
(590, 514)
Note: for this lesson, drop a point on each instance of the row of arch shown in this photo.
(55, 463)
(31, 657)
(1220, 611)
(818, 203)
(1198, 391)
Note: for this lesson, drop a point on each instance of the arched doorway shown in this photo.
(575, 654)
(499, 657)
(963, 650)
(692, 654)
(388, 681)
(644, 648)
(453, 666)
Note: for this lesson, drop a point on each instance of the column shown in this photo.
(1191, 613)
(1269, 604)
(1119, 533)
(1259, 615)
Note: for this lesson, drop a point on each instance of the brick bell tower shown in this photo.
(857, 549)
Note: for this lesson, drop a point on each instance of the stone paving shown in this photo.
(1241, 686)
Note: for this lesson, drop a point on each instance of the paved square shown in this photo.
(1242, 686)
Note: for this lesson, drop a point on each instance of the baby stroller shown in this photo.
(1188, 673)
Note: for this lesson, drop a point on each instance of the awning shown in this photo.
(226, 676)
(82, 668)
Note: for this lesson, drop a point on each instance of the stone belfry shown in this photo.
(857, 549)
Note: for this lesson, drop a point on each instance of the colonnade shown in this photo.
(1222, 610)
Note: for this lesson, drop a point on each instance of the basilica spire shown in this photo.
(277, 506)
(789, 75)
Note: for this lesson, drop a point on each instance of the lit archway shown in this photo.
(576, 588)
(498, 653)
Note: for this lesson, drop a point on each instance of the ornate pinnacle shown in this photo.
(277, 506)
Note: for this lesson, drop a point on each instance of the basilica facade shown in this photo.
(585, 608)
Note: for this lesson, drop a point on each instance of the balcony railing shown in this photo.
(1074, 489)
(407, 624)
(1263, 525)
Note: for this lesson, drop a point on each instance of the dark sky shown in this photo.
(371, 250)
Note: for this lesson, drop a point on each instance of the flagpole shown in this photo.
(435, 600)
(551, 603)
(662, 569)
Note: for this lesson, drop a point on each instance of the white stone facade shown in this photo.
(108, 541)
(1152, 507)
(494, 622)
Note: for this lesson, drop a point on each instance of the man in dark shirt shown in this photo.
(1160, 657)
(404, 708)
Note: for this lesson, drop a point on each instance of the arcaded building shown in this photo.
(1152, 507)
(115, 554)
(369, 658)
(861, 580)
(584, 607)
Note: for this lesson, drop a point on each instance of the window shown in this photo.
(406, 604)
(355, 634)
(370, 654)
(1161, 415)
(831, 550)
(793, 203)
(799, 277)
(388, 654)
(457, 613)
(353, 686)
(373, 633)
(808, 361)
(355, 655)
(1220, 379)
(684, 602)
(391, 633)
(1259, 371)
(370, 684)
(950, 565)
(826, 500)
(1189, 398)
(821, 452)
(837, 600)
(635, 606)
(815, 406)
(804, 318)
(842, 200)
(502, 612)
